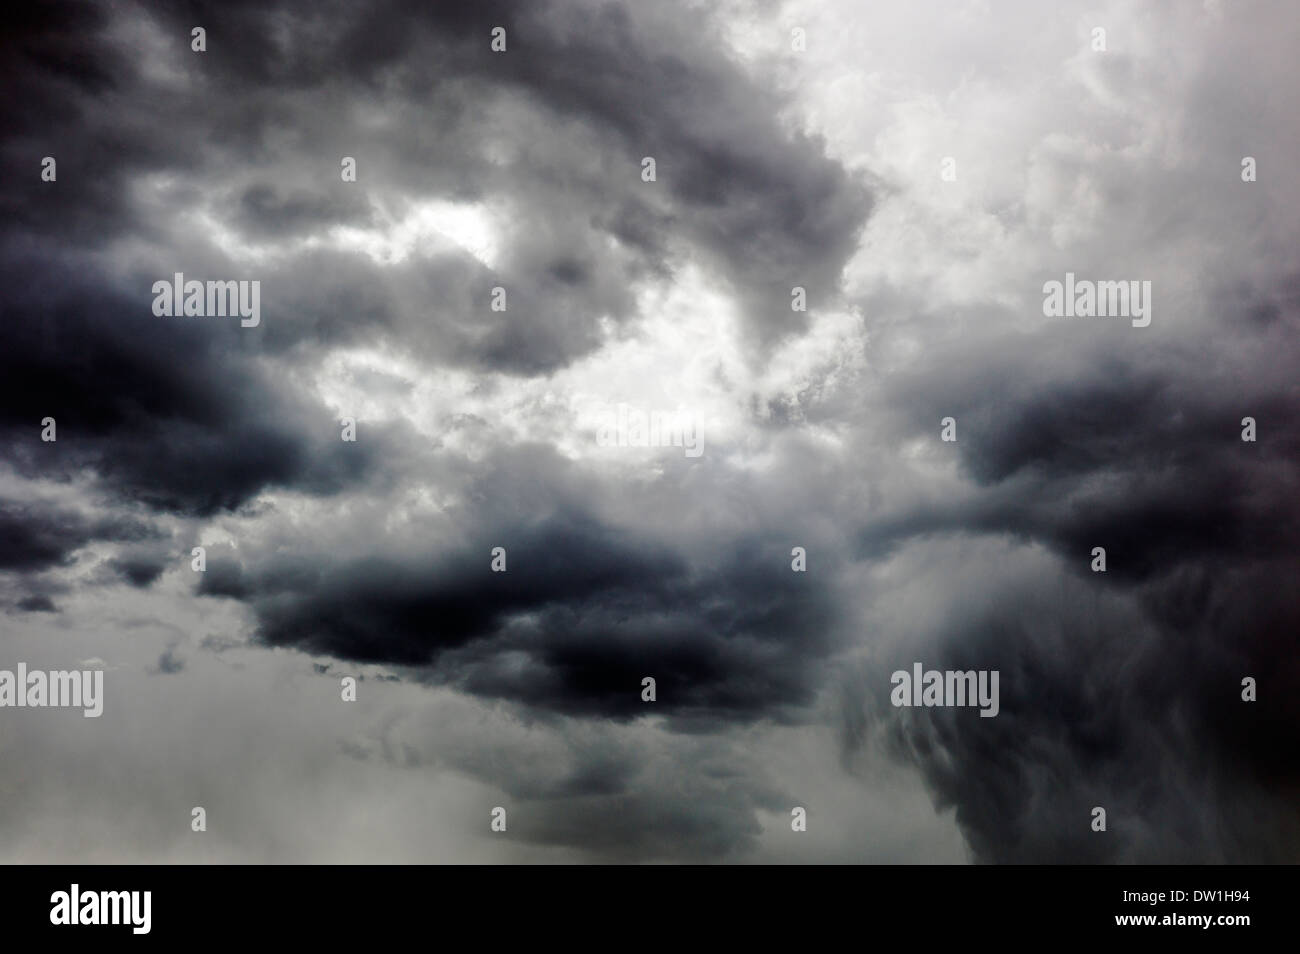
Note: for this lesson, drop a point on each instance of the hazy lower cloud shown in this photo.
(500, 285)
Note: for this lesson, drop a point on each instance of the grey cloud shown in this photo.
(1120, 690)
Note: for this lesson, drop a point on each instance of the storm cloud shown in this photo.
(442, 339)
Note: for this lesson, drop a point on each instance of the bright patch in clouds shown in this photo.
(427, 226)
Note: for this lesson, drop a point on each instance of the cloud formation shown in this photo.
(476, 428)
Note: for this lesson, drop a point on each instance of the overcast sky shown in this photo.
(775, 167)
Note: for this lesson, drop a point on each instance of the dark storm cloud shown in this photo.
(63, 81)
(1123, 689)
(1133, 708)
(1120, 690)
(140, 569)
(771, 209)
(224, 575)
(582, 613)
(174, 414)
(178, 415)
(1079, 443)
(36, 537)
(282, 87)
(182, 416)
(36, 604)
(765, 208)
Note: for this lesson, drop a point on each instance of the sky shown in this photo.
(500, 280)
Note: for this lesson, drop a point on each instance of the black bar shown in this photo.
(787, 904)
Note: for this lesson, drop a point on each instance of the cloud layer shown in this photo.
(476, 429)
